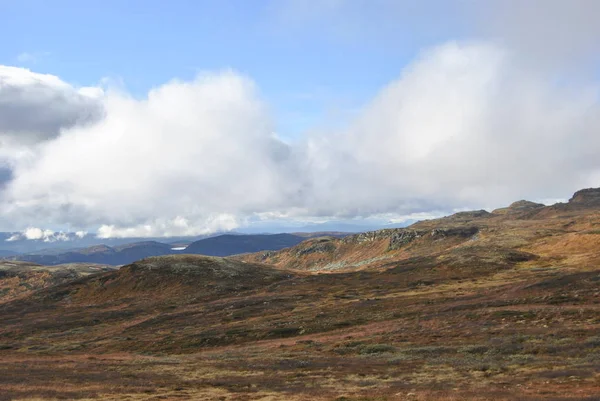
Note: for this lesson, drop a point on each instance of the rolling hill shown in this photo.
(18, 279)
(523, 227)
(5, 253)
(475, 306)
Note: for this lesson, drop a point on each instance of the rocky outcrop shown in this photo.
(586, 197)
(525, 205)
(400, 237)
(402, 234)
(519, 207)
(321, 245)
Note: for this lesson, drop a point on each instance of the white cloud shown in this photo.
(182, 161)
(179, 226)
(467, 124)
(15, 237)
(392, 218)
(38, 234)
(45, 235)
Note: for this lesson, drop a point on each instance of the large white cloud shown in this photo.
(465, 125)
(38, 234)
(176, 162)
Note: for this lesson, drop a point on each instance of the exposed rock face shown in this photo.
(400, 237)
(402, 234)
(321, 245)
(404, 237)
(267, 254)
(586, 197)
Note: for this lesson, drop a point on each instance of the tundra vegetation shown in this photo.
(475, 306)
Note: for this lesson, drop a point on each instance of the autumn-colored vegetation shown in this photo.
(476, 306)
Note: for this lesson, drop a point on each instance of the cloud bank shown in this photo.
(193, 157)
(466, 124)
(38, 234)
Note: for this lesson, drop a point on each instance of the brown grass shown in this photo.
(513, 314)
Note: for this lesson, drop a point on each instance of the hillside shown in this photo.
(525, 227)
(475, 306)
(18, 279)
(5, 253)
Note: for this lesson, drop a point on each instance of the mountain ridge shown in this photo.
(374, 249)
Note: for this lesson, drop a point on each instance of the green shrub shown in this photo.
(377, 349)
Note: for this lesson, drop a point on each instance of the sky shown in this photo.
(152, 118)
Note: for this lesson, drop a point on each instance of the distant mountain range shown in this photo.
(222, 245)
(47, 242)
(225, 245)
(59, 242)
(5, 253)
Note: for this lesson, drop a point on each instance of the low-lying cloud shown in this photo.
(44, 235)
(465, 125)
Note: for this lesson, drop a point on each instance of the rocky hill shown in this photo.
(523, 226)
(589, 197)
(474, 306)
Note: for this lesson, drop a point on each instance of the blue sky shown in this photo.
(161, 118)
(312, 64)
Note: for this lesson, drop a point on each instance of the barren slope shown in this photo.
(21, 278)
(477, 306)
(552, 233)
